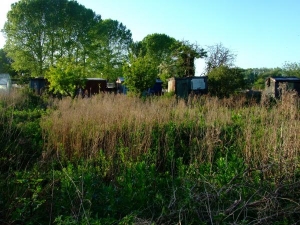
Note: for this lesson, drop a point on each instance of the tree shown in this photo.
(65, 77)
(181, 62)
(140, 74)
(224, 81)
(5, 64)
(185, 55)
(217, 56)
(110, 49)
(39, 32)
(171, 58)
(157, 47)
(291, 69)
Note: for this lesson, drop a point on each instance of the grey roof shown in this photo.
(94, 78)
(4, 78)
(4, 75)
(286, 79)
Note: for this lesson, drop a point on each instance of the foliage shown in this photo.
(218, 55)
(170, 57)
(140, 74)
(39, 32)
(263, 74)
(5, 64)
(224, 81)
(156, 46)
(109, 49)
(20, 131)
(65, 77)
(181, 62)
(161, 161)
(291, 69)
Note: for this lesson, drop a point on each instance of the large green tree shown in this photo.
(157, 47)
(140, 74)
(65, 77)
(39, 32)
(224, 81)
(181, 61)
(169, 57)
(109, 49)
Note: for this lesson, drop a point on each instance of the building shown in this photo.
(156, 89)
(94, 86)
(121, 88)
(272, 85)
(5, 83)
(183, 87)
(38, 84)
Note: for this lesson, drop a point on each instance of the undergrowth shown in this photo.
(115, 159)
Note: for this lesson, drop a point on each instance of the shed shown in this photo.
(38, 84)
(5, 83)
(272, 85)
(183, 87)
(95, 86)
(157, 88)
(121, 88)
(111, 87)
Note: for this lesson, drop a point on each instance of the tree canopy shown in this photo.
(42, 34)
(291, 69)
(109, 49)
(65, 77)
(224, 81)
(169, 57)
(218, 55)
(140, 74)
(181, 61)
(39, 32)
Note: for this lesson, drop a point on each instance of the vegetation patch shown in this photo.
(115, 159)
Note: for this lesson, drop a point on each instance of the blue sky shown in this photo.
(262, 33)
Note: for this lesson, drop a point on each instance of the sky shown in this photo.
(262, 33)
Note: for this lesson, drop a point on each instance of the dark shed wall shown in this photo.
(38, 84)
(185, 86)
(273, 83)
(95, 86)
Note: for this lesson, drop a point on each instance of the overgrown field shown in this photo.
(115, 159)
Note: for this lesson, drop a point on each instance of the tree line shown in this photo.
(65, 42)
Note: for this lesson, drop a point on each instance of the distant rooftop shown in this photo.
(286, 78)
(94, 78)
(4, 75)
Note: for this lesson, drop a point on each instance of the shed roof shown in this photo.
(94, 78)
(4, 75)
(285, 79)
(4, 78)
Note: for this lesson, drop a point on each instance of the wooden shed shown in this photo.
(272, 85)
(157, 88)
(38, 84)
(94, 86)
(121, 88)
(183, 87)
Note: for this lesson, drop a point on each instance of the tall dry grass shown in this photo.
(265, 135)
